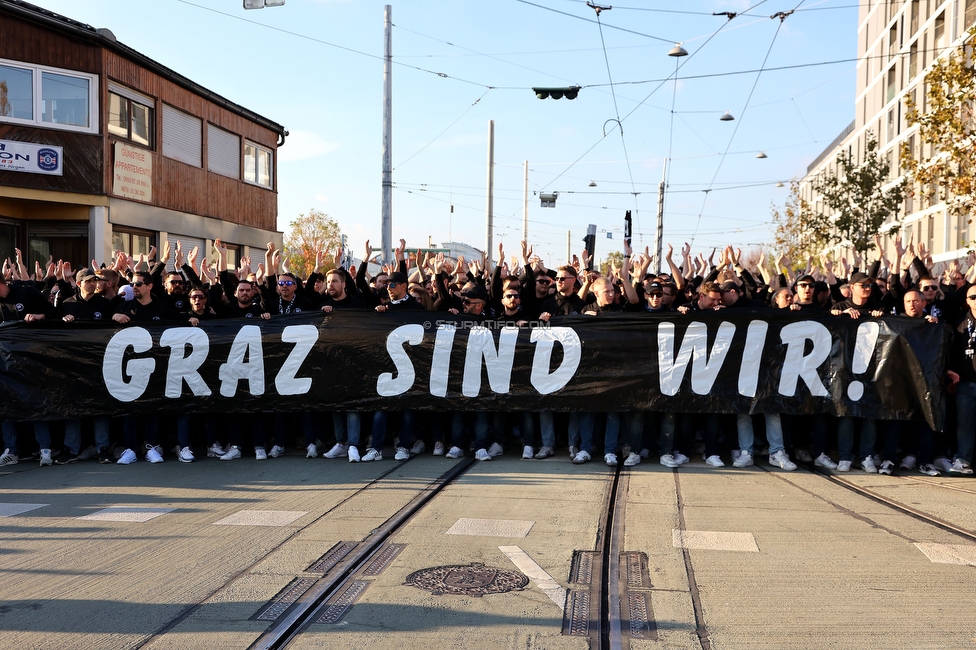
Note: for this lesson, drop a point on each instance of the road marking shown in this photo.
(14, 509)
(542, 580)
(714, 541)
(949, 553)
(126, 513)
(491, 527)
(261, 518)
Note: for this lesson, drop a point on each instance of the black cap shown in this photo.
(397, 277)
(474, 292)
(84, 274)
(808, 278)
(858, 278)
(655, 287)
(729, 285)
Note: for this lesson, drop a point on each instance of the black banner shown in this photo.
(718, 362)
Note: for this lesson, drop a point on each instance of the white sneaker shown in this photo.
(231, 454)
(276, 450)
(495, 450)
(260, 453)
(943, 464)
(887, 468)
(338, 451)
(611, 459)
(929, 470)
(455, 452)
(401, 454)
(908, 462)
(573, 451)
(482, 454)
(215, 450)
(46, 458)
(154, 454)
(438, 448)
(823, 460)
(582, 456)
(680, 458)
(353, 454)
(127, 458)
(803, 455)
(418, 448)
(714, 461)
(868, 465)
(782, 460)
(371, 455)
(88, 453)
(668, 461)
(959, 466)
(311, 451)
(544, 452)
(843, 466)
(186, 455)
(744, 460)
(632, 459)
(528, 453)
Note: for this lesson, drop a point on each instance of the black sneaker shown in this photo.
(105, 456)
(66, 457)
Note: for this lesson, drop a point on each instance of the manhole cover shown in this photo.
(473, 579)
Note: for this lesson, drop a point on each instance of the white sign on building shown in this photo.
(30, 157)
(133, 172)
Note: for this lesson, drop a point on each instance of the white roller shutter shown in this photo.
(188, 244)
(182, 136)
(223, 152)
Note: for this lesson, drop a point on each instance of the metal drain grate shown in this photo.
(582, 569)
(638, 576)
(383, 559)
(283, 600)
(332, 557)
(579, 613)
(343, 603)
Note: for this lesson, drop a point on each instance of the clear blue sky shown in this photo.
(315, 66)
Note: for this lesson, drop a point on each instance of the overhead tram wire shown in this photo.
(574, 16)
(438, 136)
(782, 18)
(616, 112)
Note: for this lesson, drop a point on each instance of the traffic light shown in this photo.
(568, 92)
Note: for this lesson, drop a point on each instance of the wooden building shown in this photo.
(102, 149)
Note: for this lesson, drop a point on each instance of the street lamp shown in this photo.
(726, 117)
(261, 4)
(677, 50)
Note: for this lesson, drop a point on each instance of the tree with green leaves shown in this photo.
(856, 201)
(797, 234)
(308, 235)
(612, 259)
(947, 127)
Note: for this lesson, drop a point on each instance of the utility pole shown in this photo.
(489, 222)
(569, 246)
(659, 237)
(387, 217)
(525, 202)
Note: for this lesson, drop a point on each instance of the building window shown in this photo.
(132, 242)
(891, 85)
(970, 13)
(913, 24)
(912, 60)
(939, 33)
(131, 116)
(258, 164)
(892, 41)
(62, 99)
(223, 152)
(182, 136)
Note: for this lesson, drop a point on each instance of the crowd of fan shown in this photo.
(518, 293)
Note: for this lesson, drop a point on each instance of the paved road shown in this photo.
(185, 556)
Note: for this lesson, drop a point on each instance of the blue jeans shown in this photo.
(347, 427)
(581, 431)
(547, 431)
(42, 433)
(72, 434)
(845, 437)
(379, 429)
(747, 434)
(966, 420)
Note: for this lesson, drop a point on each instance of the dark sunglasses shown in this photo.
(544, 281)
(285, 283)
(176, 281)
(138, 284)
(804, 285)
(970, 297)
(392, 284)
(198, 297)
(930, 288)
(512, 295)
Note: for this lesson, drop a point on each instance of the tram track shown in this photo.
(307, 609)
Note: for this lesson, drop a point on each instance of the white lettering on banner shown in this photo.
(138, 370)
(304, 337)
(247, 344)
(694, 347)
(185, 366)
(752, 357)
(798, 365)
(386, 384)
(440, 364)
(481, 345)
(544, 338)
